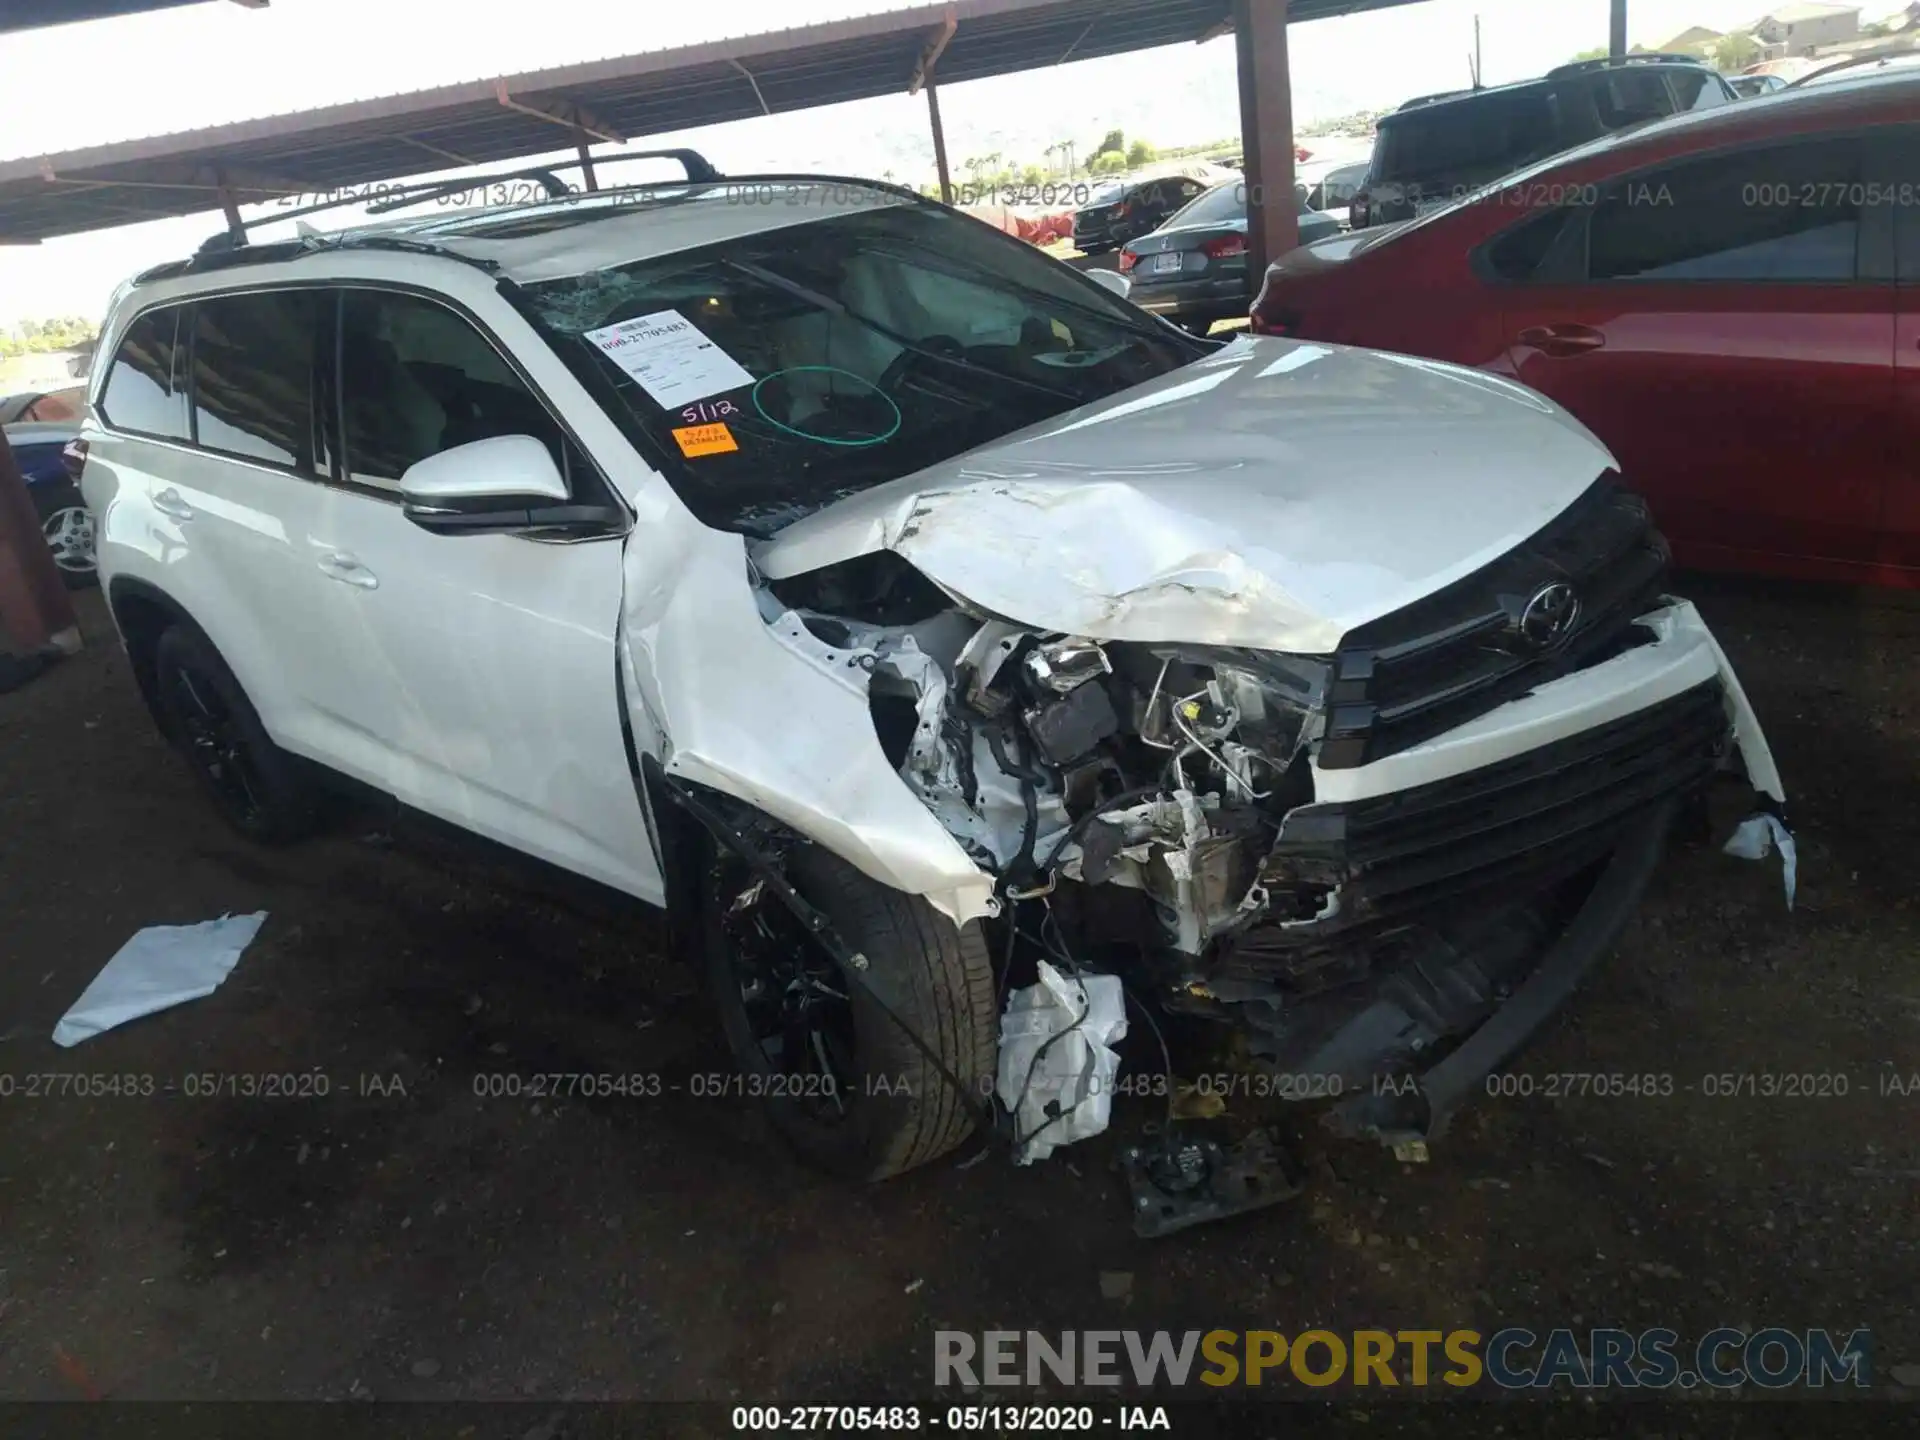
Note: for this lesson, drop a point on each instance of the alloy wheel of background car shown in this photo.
(69, 529)
(69, 535)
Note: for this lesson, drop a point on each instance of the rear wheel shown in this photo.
(67, 525)
(255, 785)
(841, 1081)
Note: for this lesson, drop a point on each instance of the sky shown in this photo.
(209, 64)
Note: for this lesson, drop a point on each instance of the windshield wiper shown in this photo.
(839, 307)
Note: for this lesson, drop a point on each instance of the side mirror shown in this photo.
(1112, 280)
(503, 484)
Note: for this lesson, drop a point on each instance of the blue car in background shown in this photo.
(40, 427)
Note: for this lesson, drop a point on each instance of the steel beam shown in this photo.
(1266, 132)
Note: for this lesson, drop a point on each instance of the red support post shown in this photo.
(35, 611)
(1266, 131)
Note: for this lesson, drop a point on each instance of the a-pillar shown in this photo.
(1266, 131)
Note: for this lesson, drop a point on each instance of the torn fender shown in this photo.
(770, 715)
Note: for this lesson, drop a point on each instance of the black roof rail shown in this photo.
(1635, 57)
(1856, 62)
(699, 172)
(217, 253)
(1419, 100)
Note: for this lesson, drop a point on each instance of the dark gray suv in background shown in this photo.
(1439, 147)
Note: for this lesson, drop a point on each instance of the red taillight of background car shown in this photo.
(1123, 209)
(1274, 321)
(74, 457)
(1128, 260)
(1223, 246)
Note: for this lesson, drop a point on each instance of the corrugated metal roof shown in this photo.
(629, 97)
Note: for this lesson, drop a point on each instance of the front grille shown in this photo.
(1515, 828)
(1437, 664)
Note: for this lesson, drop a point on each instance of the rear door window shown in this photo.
(1221, 205)
(1783, 214)
(146, 385)
(253, 364)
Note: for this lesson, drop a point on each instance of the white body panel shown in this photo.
(1242, 500)
(769, 714)
(470, 677)
(1245, 500)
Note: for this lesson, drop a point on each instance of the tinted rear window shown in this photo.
(1221, 205)
(253, 375)
(1488, 135)
(145, 388)
(1631, 97)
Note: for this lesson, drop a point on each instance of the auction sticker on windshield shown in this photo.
(698, 440)
(673, 361)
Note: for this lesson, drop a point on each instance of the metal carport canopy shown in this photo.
(38, 14)
(487, 121)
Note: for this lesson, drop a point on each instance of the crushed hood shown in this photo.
(1274, 495)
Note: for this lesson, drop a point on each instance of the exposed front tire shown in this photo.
(254, 784)
(68, 527)
(842, 1084)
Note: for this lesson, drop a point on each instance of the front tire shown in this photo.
(843, 1085)
(68, 527)
(253, 783)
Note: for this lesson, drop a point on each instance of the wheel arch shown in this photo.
(141, 612)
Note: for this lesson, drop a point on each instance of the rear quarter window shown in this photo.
(1487, 135)
(145, 389)
(1631, 97)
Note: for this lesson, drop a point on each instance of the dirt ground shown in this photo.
(404, 1237)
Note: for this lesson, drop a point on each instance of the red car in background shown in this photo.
(1730, 300)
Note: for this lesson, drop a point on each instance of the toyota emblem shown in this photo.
(1550, 616)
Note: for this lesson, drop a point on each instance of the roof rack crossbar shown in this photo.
(1632, 57)
(699, 171)
(1855, 62)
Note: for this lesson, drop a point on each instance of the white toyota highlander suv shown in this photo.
(897, 606)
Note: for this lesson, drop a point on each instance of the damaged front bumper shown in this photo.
(1477, 877)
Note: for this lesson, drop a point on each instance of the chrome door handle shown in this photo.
(348, 571)
(169, 503)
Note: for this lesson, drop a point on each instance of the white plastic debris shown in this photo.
(1056, 1067)
(160, 967)
(1755, 838)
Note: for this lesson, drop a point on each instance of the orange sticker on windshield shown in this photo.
(697, 440)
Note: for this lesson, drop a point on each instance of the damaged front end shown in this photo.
(1384, 864)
